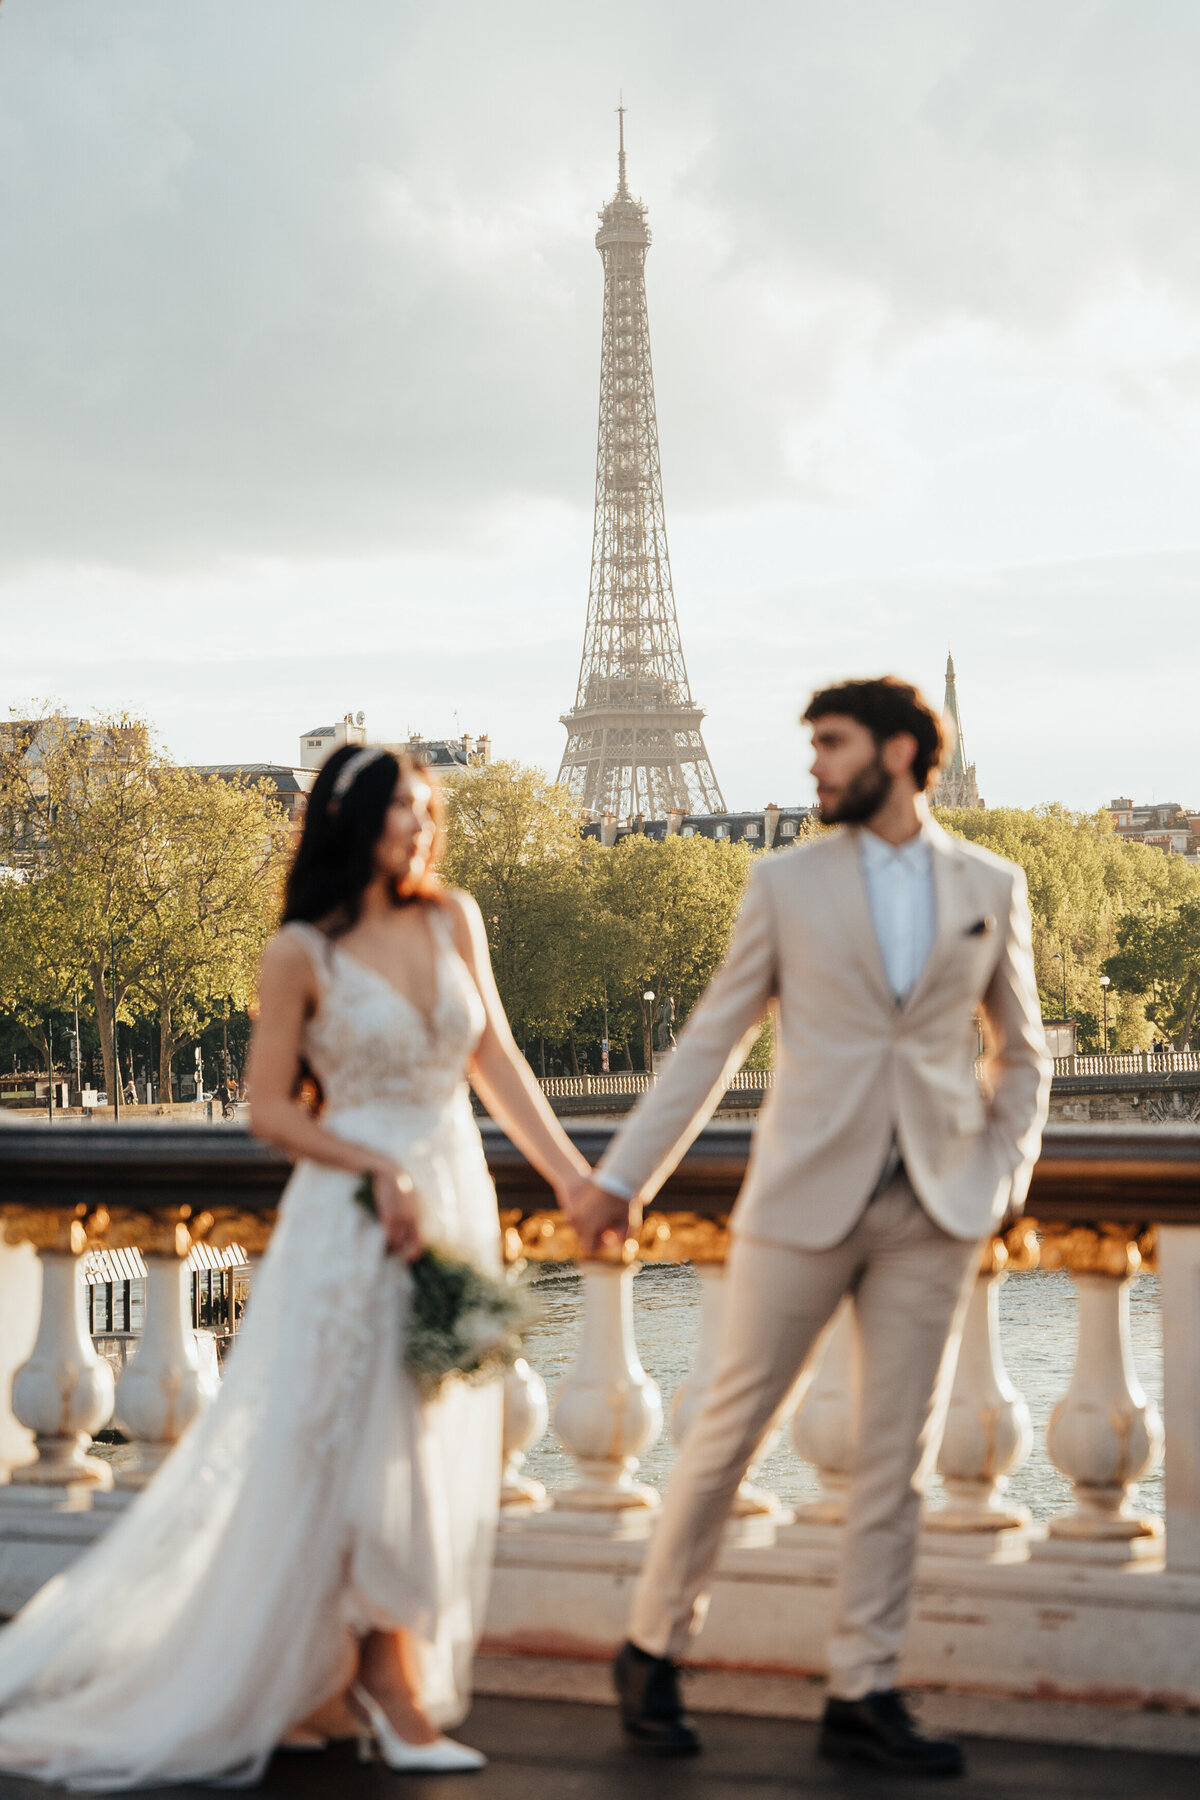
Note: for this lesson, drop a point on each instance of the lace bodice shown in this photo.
(369, 1046)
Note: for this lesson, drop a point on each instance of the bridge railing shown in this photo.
(634, 1081)
(1107, 1206)
(1132, 1062)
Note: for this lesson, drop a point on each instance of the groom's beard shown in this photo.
(861, 798)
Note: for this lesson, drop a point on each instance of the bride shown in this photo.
(313, 1557)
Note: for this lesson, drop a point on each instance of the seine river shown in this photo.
(1037, 1313)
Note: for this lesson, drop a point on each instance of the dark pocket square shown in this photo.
(981, 926)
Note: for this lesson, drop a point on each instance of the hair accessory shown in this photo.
(351, 769)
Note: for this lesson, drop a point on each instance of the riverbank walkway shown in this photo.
(572, 1752)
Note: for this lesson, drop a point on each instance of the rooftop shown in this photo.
(284, 777)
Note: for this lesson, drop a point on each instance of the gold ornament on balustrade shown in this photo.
(163, 1231)
(660, 1237)
(69, 1230)
(1107, 1248)
(1118, 1251)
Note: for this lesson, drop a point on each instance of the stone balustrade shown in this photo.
(634, 1081)
(1102, 1600)
(1131, 1062)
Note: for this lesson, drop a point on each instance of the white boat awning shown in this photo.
(127, 1265)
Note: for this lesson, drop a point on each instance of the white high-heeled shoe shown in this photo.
(442, 1757)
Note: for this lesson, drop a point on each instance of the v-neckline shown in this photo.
(427, 1019)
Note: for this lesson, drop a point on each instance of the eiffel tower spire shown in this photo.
(633, 736)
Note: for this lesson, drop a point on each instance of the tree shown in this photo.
(1084, 880)
(671, 907)
(211, 875)
(512, 841)
(1158, 953)
(74, 807)
(139, 880)
(39, 967)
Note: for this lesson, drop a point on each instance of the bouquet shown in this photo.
(462, 1322)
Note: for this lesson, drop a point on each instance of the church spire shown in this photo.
(958, 760)
(956, 786)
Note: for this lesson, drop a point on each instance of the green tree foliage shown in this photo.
(512, 842)
(146, 886)
(572, 925)
(671, 907)
(1158, 955)
(1084, 883)
(38, 961)
(211, 882)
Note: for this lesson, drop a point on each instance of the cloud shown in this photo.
(299, 337)
(278, 278)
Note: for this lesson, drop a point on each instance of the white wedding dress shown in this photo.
(317, 1498)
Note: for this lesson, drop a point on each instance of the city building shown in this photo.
(1168, 827)
(323, 740)
(775, 828)
(956, 786)
(634, 744)
(448, 756)
(291, 787)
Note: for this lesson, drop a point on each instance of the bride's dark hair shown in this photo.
(335, 858)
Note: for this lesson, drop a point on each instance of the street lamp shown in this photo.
(647, 1034)
(115, 944)
(1105, 984)
(1059, 957)
(116, 1055)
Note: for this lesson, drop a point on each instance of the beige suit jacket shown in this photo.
(852, 1066)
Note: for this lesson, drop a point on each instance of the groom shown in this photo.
(879, 1164)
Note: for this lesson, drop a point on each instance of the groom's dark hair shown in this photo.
(887, 706)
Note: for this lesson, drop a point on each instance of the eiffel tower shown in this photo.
(634, 744)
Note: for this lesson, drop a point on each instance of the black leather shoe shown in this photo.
(651, 1710)
(879, 1729)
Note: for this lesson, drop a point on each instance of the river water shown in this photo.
(1038, 1328)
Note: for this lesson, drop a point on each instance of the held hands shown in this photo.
(602, 1220)
(396, 1208)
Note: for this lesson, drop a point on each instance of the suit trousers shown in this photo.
(910, 1282)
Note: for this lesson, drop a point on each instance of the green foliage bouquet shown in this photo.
(463, 1324)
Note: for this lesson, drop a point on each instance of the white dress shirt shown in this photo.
(900, 893)
(903, 904)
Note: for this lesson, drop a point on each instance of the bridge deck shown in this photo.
(571, 1752)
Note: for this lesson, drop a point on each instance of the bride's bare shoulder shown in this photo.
(287, 956)
(459, 902)
(466, 920)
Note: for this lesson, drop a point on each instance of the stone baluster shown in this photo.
(1104, 1434)
(526, 1415)
(163, 1387)
(607, 1410)
(988, 1432)
(825, 1429)
(526, 1408)
(1178, 1257)
(64, 1391)
(751, 1502)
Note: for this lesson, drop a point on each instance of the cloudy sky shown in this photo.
(299, 347)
